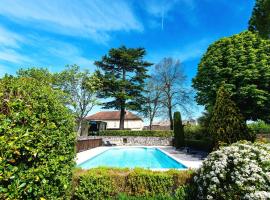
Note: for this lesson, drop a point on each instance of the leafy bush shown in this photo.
(145, 133)
(239, 171)
(203, 145)
(36, 141)
(178, 130)
(260, 127)
(196, 132)
(103, 183)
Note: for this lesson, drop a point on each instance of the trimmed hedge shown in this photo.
(105, 183)
(36, 141)
(144, 133)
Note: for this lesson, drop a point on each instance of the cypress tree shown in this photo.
(178, 129)
(227, 124)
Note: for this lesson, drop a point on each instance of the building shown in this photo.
(165, 124)
(112, 120)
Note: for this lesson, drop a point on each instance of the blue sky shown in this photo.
(52, 34)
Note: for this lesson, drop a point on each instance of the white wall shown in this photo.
(129, 124)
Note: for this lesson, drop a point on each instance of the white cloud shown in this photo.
(192, 51)
(92, 19)
(12, 56)
(41, 51)
(9, 38)
(186, 53)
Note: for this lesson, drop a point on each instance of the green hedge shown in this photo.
(36, 141)
(196, 132)
(145, 133)
(260, 127)
(204, 145)
(105, 183)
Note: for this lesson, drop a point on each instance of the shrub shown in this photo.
(36, 141)
(203, 145)
(227, 125)
(144, 133)
(260, 127)
(178, 130)
(196, 132)
(239, 171)
(103, 183)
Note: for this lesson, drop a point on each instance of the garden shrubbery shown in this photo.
(36, 141)
(104, 183)
(260, 127)
(238, 171)
(144, 133)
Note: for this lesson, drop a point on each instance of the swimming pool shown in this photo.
(131, 157)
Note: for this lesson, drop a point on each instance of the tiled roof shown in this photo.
(112, 115)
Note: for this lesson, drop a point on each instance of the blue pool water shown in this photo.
(131, 157)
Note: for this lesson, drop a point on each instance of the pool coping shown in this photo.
(91, 153)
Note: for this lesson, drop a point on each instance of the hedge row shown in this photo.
(106, 183)
(144, 133)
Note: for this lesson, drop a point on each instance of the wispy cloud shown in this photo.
(192, 51)
(188, 52)
(10, 44)
(9, 38)
(38, 51)
(92, 19)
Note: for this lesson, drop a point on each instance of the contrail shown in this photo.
(162, 19)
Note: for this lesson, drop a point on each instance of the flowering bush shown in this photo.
(239, 171)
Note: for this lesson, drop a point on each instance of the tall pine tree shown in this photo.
(227, 123)
(123, 73)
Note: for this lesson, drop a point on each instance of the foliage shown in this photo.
(196, 132)
(260, 127)
(178, 129)
(81, 88)
(260, 19)
(103, 183)
(200, 144)
(157, 197)
(123, 72)
(227, 124)
(204, 120)
(41, 74)
(145, 133)
(242, 62)
(198, 137)
(239, 171)
(171, 80)
(36, 141)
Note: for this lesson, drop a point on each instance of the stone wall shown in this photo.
(134, 141)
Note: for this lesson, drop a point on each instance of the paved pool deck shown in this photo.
(192, 160)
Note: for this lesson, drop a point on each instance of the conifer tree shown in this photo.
(123, 72)
(178, 129)
(227, 123)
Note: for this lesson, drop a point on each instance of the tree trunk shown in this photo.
(122, 118)
(150, 124)
(123, 108)
(171, 118)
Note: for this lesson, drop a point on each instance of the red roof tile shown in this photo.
(112, 115)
